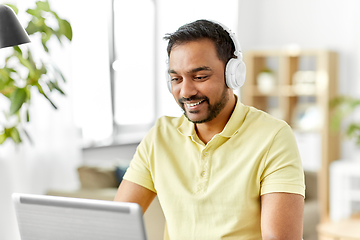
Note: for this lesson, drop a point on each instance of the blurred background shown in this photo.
(115, 90)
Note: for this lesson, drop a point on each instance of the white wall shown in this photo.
(324, 24)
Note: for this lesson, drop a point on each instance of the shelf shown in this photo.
(347, 229)
(287, 52)
(286, 91)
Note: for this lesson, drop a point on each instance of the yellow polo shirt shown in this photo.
(213, 191)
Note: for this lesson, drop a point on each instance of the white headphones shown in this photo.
(235, 69)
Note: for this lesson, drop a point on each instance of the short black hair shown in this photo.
(202, 29)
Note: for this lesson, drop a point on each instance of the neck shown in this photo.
(206, 131)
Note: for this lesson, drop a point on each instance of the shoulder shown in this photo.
(166, 124)
(165, 127)
(257, 119)
(169, 122)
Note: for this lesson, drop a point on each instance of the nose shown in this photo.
(188, 88)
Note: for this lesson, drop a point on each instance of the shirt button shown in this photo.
(206, 154)
(203, 174)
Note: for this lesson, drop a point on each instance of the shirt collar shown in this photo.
(236, 120)
(187, 128)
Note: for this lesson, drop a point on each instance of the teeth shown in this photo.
(194, 104)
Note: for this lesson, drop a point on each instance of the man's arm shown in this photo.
(132, 192)
(282, 216)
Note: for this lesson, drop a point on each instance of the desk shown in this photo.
(348, 229)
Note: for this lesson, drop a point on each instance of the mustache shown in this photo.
(193, 98)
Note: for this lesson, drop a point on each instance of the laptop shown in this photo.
(43, 217)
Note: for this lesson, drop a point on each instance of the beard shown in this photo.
(213, 109)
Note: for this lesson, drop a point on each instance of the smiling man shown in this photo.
(198, 84)
(223, 170)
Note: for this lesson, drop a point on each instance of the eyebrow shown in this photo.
(195, 70)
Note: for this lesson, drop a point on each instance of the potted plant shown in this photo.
(343, 107)
(23, 71)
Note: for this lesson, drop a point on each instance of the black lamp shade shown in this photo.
(11, 31)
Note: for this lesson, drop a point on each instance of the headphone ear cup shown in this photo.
(168, 80)
(167, 76)
(235, 73)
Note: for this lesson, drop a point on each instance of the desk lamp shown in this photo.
(11, 31)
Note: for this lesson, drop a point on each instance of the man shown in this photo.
(223, 170)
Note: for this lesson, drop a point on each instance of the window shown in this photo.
(123, 109)
(132, 60)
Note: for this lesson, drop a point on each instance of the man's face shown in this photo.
(197, 80)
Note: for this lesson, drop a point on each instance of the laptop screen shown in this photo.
(48, 217)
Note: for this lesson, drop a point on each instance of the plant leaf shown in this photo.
(26, 63)
(32, 28)
(44, 39)
(353, 130)
(27, 115)
(54, 106)
(30, 65)
(43, 93)
(16, 10)
(31, 59)
(14, 134)
(57, 71)
(34, 12)
(58, 36)
(66, 29)
(343, 106)
(3, 137)
(54, 85)
(17, 49)
(43, 69)
(43, 6)
(17, 99)
(28, 136)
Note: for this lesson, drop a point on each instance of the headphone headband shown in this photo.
(233, 38)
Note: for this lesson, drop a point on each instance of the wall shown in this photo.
(324, 24)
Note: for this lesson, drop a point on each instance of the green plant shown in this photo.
(343, 107)
(40, 74)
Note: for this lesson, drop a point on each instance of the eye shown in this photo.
(175, 79)
(200, 78)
